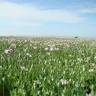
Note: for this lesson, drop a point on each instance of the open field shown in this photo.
(47, 67)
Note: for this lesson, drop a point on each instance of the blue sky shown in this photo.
(48, 18)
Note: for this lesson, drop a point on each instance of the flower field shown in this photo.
(47, 67)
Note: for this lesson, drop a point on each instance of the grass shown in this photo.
(36, 67)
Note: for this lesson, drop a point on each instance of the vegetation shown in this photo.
(47, 67)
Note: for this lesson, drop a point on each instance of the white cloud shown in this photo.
(89, 10)
(29, 14)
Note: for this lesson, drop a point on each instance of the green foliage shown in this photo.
(47, 67)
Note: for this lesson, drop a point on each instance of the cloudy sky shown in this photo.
(48, 18)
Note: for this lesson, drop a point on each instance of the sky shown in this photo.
(66, 18)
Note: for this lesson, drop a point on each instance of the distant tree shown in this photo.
(76, 37)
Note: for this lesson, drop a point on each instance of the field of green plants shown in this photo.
(47, 67)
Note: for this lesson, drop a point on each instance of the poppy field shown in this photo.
(47, 67)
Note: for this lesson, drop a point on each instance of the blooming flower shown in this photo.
(8, 51)
(23, 68)
(51, 49)
(29, 55)
(63, 82)
(56, 49)
(88, 94)
(91, 70)
(34, 47)
(3, 78)
(46, 49)
(0, 67)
